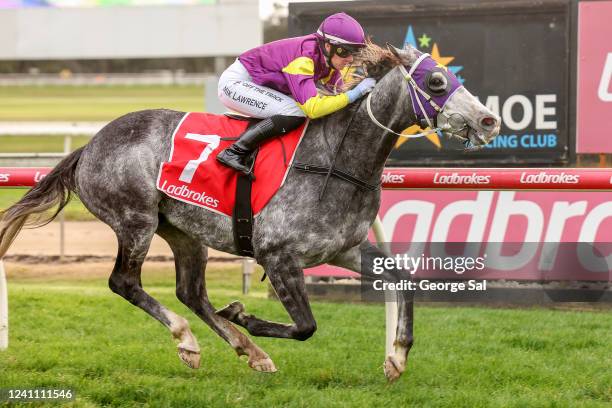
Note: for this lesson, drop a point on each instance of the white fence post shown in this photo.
(4, 329)
(390, 304)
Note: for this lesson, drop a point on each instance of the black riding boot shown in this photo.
(235, 156)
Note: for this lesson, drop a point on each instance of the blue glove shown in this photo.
(361, 89)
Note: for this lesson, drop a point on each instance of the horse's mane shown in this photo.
(371, 61)
(377, 60)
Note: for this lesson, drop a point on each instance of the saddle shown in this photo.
(192, 174)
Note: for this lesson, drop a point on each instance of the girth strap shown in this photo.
(242, 216)
(324, 170)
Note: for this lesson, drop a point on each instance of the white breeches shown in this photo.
(239, 93)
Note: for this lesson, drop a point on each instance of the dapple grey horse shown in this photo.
(115, 177)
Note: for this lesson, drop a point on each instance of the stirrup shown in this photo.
(230, 164)
(251, 174)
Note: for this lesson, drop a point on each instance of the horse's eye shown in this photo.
(437, 82)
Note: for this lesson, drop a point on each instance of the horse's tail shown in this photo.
(54, 189)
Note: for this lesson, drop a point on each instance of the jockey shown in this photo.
(278, 83)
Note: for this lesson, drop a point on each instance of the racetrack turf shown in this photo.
(78, 334)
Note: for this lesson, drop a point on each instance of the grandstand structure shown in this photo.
(206, 28)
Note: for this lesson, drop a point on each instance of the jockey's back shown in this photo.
(290, 66)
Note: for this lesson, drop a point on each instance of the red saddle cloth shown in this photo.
(193, 175)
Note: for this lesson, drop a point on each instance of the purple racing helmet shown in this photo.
(342, 29)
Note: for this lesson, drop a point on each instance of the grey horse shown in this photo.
(115, 177)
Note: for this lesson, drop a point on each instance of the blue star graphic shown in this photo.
(410, 38)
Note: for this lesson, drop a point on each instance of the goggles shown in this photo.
(342, 52)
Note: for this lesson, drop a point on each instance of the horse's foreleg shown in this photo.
(360, 260)
(125, 281)
(190, 261)
(236, 313)
(287, 279)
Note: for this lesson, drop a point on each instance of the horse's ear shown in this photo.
(394, 50)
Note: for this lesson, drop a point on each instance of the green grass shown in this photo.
(81, 103)
(37, 144)
(74, 211)
(93, 103)
(78, 334)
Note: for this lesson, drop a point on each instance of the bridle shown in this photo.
(415, 90)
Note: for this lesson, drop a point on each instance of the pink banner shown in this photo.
(528, 223)
(521, 220)
(594, 108)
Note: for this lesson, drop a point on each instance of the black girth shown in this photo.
(242, 216)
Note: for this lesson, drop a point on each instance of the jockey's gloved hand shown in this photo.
(361, 89)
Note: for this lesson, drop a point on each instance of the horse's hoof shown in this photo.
(264, 365)
(189, 357)
(393, 368)
(231, 311)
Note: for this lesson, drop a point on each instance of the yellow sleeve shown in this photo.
(321, 105)
(300, 66)
(299, 74)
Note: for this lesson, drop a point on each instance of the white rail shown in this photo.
(50, 128)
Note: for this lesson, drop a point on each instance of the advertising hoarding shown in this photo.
(513, 55)
(528, 225)
(594, 105)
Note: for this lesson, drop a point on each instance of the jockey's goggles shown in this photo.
(343, 51)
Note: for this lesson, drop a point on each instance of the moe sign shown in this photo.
(513, 55)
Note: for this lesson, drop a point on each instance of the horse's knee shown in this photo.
(304, 332)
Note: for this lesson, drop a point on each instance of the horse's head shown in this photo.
(438, 99)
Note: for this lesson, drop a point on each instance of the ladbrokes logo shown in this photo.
(455, 178)
(543, 177)
(184, 192)
(4, 177)
(39, 176)
(390, 178)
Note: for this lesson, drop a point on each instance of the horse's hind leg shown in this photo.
(190, 261)
(134, 240)
(287, 279)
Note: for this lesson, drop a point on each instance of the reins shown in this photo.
(335, 156)
(332, 171)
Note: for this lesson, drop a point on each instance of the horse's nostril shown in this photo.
(488, 121)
